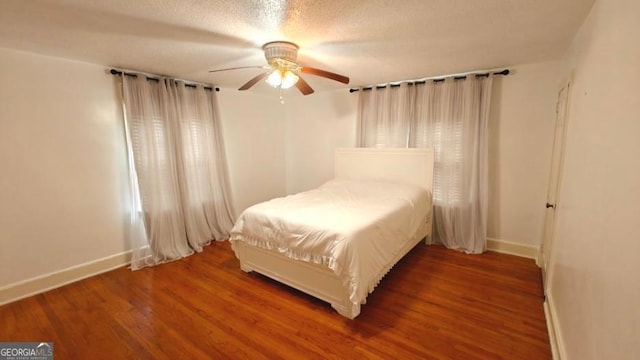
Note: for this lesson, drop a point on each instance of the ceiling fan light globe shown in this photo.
(289, 79)
(274, 79)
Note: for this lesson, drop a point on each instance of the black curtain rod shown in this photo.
(120, 73)
(503, 72)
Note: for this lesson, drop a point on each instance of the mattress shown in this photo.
(355, 228)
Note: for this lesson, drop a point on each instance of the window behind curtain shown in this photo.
(451, 117)
(180, 167)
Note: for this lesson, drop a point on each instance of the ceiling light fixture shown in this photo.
(283, 79)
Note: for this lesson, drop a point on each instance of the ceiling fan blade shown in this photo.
(304, 88)
(324, 73)
(253, 81)
(237, 68)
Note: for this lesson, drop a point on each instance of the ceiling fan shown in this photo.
(283, 69)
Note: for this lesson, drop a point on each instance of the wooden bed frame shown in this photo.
(409, 165)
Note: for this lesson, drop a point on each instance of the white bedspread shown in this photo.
(356, 228)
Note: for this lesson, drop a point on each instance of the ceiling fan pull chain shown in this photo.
(281, 98)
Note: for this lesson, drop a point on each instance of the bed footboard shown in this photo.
(313, 279)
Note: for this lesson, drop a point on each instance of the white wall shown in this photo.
(595, 266)
(275, 149)
(316, 125)
(62, 185)
(254, 134)
(520, 141)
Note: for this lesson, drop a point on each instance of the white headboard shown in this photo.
(414, 166)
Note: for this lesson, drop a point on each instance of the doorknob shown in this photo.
(551, 206)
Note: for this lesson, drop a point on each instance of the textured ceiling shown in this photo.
(372, 42)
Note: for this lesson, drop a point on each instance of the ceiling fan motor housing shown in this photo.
(280, 50)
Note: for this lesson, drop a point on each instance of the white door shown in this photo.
(553, 191)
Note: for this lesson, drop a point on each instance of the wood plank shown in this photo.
(435, 304)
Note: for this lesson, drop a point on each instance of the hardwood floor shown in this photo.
(435, 304)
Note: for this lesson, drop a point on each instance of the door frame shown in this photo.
(554, 189)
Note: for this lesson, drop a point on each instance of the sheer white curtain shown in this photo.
(385, 116)
(451, 117)
(179, 167)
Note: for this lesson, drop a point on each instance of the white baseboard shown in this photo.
(511, 248)
(555, 338)
(40, 284)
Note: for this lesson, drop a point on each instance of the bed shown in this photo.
(336, 242)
